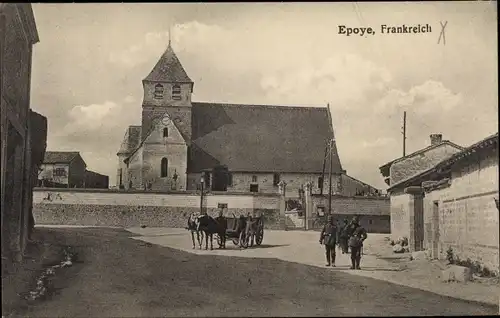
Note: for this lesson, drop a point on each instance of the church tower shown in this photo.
(166, 124)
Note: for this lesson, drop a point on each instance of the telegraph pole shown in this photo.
(323, 173)
(404, 134)
(330, 179)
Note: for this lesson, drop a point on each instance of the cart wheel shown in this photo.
(260, 236)
(243, 240)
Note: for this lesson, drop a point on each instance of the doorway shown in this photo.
(220, 178)
(435, 230)
(418, 219)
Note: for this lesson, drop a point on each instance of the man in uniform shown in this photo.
(344, 236)
(357, 235)
(221, 219)
(328, 237)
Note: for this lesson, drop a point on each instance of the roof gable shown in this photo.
(60, 156)
(130, 141)
(385, 169)
(448, 162)
(260, 138)
(168, 69)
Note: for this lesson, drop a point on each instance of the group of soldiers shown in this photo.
(347, 235)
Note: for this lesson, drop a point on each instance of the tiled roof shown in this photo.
(448, 162)
(384, 170)
(131, 140)
(168, 69)
(260, 138)
(60, 156)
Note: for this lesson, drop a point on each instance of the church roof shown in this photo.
(131, 140)
(168, 69)
(249, 138)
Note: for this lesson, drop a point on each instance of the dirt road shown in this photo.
(121, 277)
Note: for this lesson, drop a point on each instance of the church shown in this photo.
(182, 144)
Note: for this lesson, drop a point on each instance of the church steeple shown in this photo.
(169, 69)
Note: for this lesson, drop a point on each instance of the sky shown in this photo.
(89, 64)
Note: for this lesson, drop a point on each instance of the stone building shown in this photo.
(62, 169)
(23, 132)
(235, 148)
(453, 204)
(418, 161)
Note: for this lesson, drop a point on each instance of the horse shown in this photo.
(192, 226)
(209, 226)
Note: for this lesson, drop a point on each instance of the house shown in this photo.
(401, 169)
(62, 169)
(23, 131)
(94, 180)
(228, 147)
(453, 205)
(418, 161)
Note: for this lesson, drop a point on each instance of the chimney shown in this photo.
(436, 139)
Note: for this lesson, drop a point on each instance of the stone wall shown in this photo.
(400, 214)
(136, 208)
(468, 219)
(374, 212)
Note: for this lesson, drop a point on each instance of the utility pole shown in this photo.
(404, 134)
(324, 166)
(330, 179)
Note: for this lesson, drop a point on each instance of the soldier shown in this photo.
(344, 236)
(328, 237)
(357, 235)
(221, 219)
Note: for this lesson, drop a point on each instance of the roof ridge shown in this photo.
(263, 105)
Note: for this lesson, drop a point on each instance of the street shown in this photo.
(121, 277)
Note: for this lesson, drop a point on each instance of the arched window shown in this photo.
(158, 91)
(176, 92)
(164, 167)
(165, 132)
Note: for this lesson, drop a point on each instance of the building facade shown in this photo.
(405, 167)
(231, 147)
(453, 205)
(62, 169)
(23, 132)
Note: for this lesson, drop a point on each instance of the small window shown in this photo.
(165, 132)
(222, 205)
(320, 182)
(230, 179)
(276, 179)
(176, 92)
(158, 91)
(59, 172)
(254, 188)
(370, 221)
(254, 178)
(164, 168)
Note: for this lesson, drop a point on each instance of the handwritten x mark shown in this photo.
(443, 26)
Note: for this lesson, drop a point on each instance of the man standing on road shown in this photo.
(344, 236)
(328, 237)
(357, 235)
(221, 219)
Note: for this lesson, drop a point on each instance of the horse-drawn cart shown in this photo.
(243, 230)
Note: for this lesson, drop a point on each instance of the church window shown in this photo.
(164, 167)
(165, 132)
(320, 182)
(276, 179)
(158, 91)
(176, 92)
